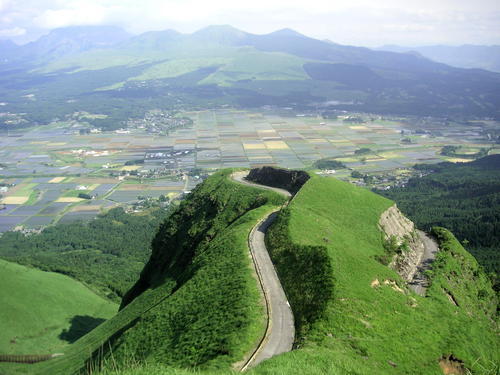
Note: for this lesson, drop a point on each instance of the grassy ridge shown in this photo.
(213, 318)
(380, 330)
(38, 307)
(454, 264)
(305, 272)
(197, 303)
(209, 210)
(202, 250)
(204, 309)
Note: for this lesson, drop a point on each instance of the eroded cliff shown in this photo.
(399, 230)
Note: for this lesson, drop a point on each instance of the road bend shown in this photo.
(280, 330)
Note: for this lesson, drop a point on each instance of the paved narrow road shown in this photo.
(419, 282)
(240, 177)
(280, 330)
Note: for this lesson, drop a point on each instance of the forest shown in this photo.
(107, 253)
(463, 197)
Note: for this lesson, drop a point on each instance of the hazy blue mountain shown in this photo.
(221, 64)
(151, 41)
(71, 40)
(7, 50)
(219, 34)
(466, 56)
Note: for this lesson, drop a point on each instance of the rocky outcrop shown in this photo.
(290, 180)
(395, 225)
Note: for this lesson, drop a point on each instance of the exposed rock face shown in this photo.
(395, 224)
(281, 178)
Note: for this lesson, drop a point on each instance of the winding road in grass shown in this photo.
(419, 283)
(280, 330)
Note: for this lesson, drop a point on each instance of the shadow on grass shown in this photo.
(80, 325)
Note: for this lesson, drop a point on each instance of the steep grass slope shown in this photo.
(197, 302)
(370, 323)
(355, 315)
(41, 311)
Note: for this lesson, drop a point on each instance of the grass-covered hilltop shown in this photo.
(197, 306)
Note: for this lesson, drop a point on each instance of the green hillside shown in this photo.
(381, 330)
(106, 254)
(196, 304)
(324, 246)
(42, 311)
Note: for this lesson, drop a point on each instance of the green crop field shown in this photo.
(43, 311)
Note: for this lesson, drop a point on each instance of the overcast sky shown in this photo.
(356, 22)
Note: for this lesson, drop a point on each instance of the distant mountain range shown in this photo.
(101, 68)
(466, 56)
(64, 41)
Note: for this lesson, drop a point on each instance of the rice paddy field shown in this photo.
(46, 168)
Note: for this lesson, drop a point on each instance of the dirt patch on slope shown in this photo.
(450, 365)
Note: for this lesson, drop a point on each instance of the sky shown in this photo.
(356, 22)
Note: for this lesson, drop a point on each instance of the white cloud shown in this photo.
(365, 22)
(3, 4)
(74, 13)
(9, 33)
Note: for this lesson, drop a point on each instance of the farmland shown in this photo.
(48, 173)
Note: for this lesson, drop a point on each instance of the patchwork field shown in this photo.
(46, 168)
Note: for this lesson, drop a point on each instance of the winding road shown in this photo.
(419, 283)
(280, 330)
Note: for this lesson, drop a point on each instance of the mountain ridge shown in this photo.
(467, 56)
(247, 70)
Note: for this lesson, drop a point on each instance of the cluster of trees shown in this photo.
(329, 164)
(368, 179)
(134, 162)
(107, 253)
(362, 151)
(454, 151)
(463, 197)
(84, 196)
